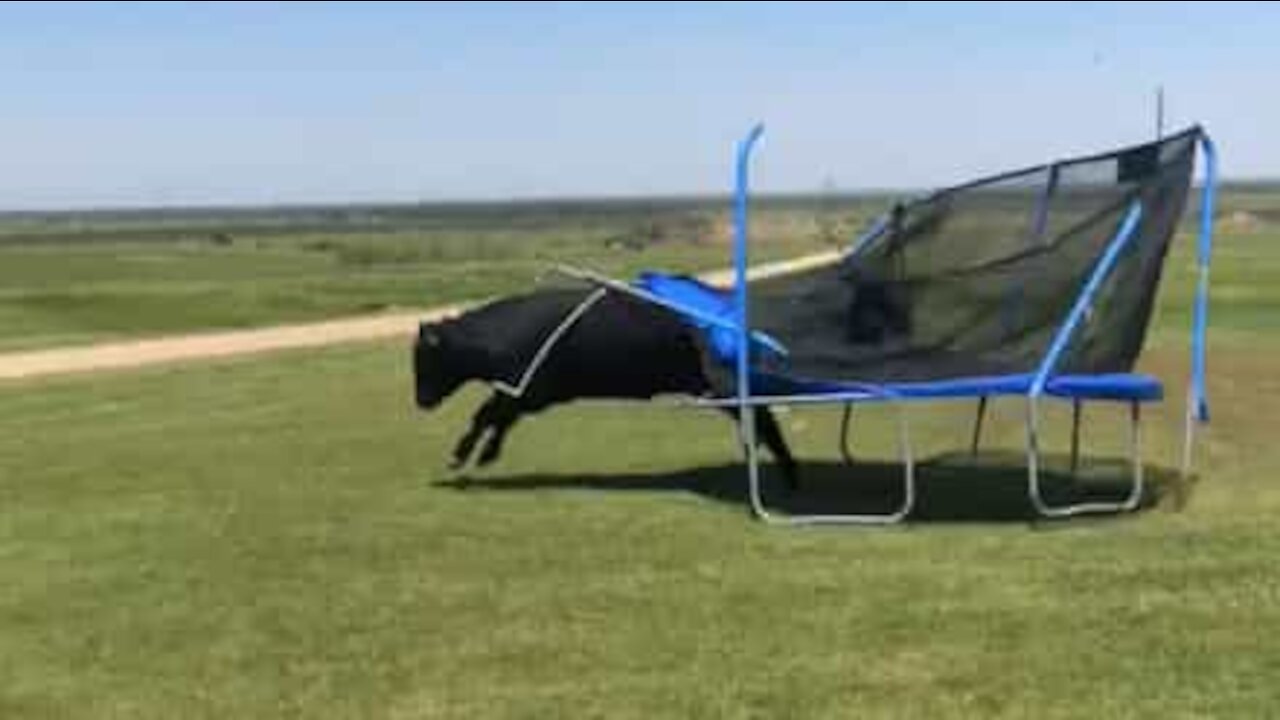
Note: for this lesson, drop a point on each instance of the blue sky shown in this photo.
(152, 104)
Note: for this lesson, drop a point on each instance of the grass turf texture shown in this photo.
(113, 279)
(276, 537)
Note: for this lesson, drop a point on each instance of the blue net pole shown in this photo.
(1085, 299)
(1208, 194)
(741, 186)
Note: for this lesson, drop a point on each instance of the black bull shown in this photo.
(620, 348)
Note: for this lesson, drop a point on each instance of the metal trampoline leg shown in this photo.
(747, 430)
(977, 426)
(845, 453)
(762, 512)
(1135, 455)
(1075, 436)
(1188, 438)
(1129, 503)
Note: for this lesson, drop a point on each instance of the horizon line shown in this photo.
(584, 199)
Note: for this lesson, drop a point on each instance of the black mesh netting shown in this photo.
(976, 279)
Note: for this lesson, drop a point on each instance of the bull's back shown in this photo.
(624, 348)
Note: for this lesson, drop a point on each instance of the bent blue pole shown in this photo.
(1208, 195)
(741, 186)
(1085, 298)
(746, 411)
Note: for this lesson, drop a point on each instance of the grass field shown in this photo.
(78, 280)
(277, 537)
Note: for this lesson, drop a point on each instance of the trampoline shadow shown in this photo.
(956, 487)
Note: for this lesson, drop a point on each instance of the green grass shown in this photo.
(277, 537)
(79, 278)
(99, 284)
(268, 538)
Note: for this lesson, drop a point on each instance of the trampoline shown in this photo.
(1037, 283)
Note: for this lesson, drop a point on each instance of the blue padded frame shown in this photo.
(1124, 387)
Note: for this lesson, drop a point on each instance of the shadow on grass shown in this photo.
(954, 487)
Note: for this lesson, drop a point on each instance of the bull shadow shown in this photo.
(954, 487)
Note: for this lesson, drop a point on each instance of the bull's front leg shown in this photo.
(504, 416)
(484, 418)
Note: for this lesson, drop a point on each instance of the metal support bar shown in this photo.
(977, 426)
(1075, 435)
(746, 413)
(746, 406)
(845, 453)
(870, 393)
(1040, 219)
(1129, 503)
(1188, 436)
(896, 515)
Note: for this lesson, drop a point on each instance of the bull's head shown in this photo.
(436, 369)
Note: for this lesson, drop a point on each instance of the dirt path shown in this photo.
(200, 346)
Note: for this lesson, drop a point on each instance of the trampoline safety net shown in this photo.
(975, 280)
